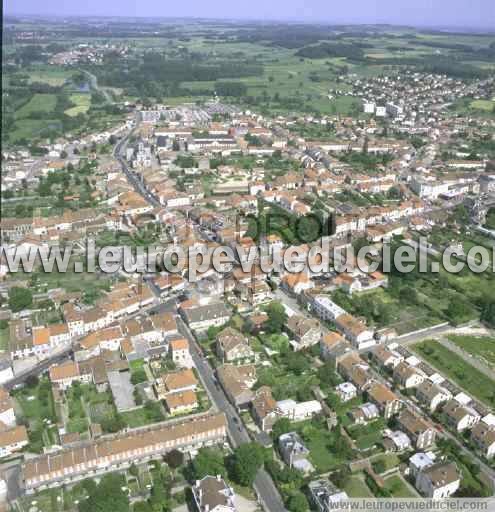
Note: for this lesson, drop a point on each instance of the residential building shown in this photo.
(418, 429)
(408, 376)
(212, 494)
(432, 395)
(201, 317)
(440, 480)
(294, 453)
(483, 436)
(298, 411)
(12, 440)
(385, 399)
(65, 374)
(323, 493)
(181, 402)
(460, 417)
(420, 461)
(355, 331)
(237, 381)
(7, 415)
(92, 459)
(179, 352)
(346, 391)
(175, 382)
(264, 409)
(232, 345)
(306, 332)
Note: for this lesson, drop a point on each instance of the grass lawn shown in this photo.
(485, 105)
(36, 406)
(454, 367)
(4, 339)
(82, 103)
(136, 418)
(38, 103)
(482, 347)
(48, 75)
(367, 436)
(357, 488)
(398, 488)
(390, 460)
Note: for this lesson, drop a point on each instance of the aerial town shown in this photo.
(248, 389)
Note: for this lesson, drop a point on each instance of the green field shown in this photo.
(38, 103)
(455, 368)
(485, 105)
(82, 103)
(356, 488)
(481, 347)
(49, 75)
(398, 488)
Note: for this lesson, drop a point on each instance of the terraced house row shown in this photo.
(118, 452)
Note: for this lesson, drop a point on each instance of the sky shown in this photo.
(446, 13)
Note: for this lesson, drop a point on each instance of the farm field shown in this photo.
(82, 103)
(38, 103)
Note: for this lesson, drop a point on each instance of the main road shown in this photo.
(267, 493)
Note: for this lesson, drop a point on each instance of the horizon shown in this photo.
(414, 14)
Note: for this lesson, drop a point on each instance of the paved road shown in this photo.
(264, 486)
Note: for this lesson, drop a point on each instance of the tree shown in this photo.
(108, 495)
(174, 459)
(297, 502)
(277, 317)
(209, 461)
(138, 376)
(281, 426)
(247, 460)
(142, 506)
(20, 298)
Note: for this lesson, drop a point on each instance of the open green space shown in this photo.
(356, 487)
(81, 102)
(38, 103)
(35, 407)
(481, 347)
(455, 368)
(396, 486)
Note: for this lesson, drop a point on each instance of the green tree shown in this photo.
(247, 460)
(108, 495)
(208, 461)
(297, 502)
(277, 317)
(20, 298)
(281, 426)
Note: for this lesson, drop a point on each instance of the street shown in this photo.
(268, 494)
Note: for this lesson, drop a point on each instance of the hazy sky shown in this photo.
(458, 13)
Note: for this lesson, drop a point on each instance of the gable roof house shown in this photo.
(432, 395)
(483, 436)
(232, 345)
(201, 317)
(418, 429)
(385, 399)
(306, 331)
(439, 480)
(407, 376)
(264, 409)
(237, 382)
(460, 417)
